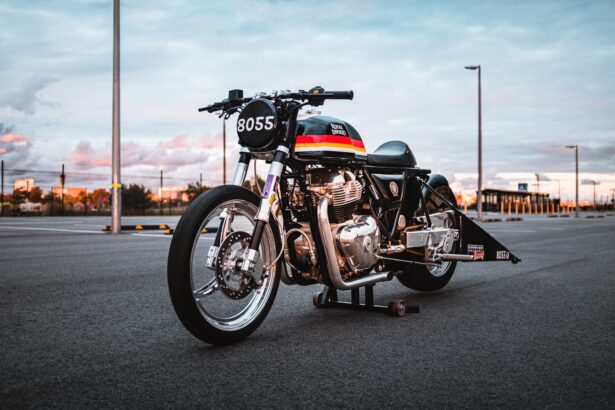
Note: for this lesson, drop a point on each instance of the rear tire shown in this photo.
(193, 309)
(423, 278)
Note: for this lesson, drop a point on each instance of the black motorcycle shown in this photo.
(329, 213)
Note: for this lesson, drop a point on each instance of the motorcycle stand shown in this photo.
(328, 298)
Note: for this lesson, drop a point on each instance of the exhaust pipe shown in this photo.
(334, 270)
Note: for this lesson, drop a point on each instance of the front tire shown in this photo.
(202, 306)
(431, 278)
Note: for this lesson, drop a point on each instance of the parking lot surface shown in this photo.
(85, 320)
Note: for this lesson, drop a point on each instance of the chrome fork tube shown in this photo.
(332, 266)
(242, 167)
(262, 217)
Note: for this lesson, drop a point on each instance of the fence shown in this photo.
(71, 192)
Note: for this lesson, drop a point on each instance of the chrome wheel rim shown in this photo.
(215, 307)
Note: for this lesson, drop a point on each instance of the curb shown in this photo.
(107, 228)
(171, 231)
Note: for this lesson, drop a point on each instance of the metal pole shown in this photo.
(480, 148)
(116, 223)
(537, 182)
(576, 198)
(62, 180)
(161, 181)
(594, 184)
(224, 151)
(479, 196)
(201, 180)
(2, 190)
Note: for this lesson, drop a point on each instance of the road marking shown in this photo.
(24, 228)
(157, 235)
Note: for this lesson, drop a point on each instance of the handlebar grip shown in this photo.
(340, 95)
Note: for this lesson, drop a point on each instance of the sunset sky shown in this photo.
(548, 70)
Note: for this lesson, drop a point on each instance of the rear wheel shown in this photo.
(433, 277)
(220, 305)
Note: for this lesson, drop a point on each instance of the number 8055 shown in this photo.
(255, 123)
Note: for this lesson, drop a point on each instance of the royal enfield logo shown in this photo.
(394, 188)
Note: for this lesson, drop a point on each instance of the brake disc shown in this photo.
(228, 266)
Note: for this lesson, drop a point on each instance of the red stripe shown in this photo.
(337, 139)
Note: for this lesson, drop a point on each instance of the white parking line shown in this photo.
(157, 235)
(24, 228)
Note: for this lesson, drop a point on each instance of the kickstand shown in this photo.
(328, 298)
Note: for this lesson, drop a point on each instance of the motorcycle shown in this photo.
(329, 214)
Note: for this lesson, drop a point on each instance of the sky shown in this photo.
(547, 81)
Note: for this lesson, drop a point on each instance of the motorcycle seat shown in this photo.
(391, 154)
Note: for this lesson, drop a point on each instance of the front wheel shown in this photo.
(220, 305)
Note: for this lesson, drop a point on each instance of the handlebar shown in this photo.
(315, 96)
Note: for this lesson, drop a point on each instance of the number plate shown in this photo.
(257, 125)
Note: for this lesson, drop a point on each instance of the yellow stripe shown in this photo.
(116, 185)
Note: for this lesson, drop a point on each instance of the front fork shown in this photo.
(262, 217)
(226, 216)
(269, 196)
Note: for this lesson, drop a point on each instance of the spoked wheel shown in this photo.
(220, 305)
(432, 277)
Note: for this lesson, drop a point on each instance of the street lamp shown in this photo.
(594, 183)
(576, 199)
(479, 200)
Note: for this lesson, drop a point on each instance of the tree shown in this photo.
(101, 198)
(137, 198)
(194, 190)
(36, 194)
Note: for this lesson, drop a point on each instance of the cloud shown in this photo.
(26, 99)
(177, 142)
(14, 148)
(173, 154)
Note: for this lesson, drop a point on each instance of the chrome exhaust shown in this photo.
(334, 270)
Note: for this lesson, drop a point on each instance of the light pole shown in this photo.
(537, 183)
(116, 185)
(576, 197)
(479, 197)
(594, 183)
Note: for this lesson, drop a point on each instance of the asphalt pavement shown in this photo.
(86, 321)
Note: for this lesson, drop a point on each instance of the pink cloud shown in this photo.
(209, 142)
(11, 138)
(84, 156)
(171, 154)
(179, 141)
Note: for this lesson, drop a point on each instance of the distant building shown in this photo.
(24, 185)
(494, 199)
(174, 193)
(73, 192)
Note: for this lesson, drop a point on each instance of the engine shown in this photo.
(357, 237)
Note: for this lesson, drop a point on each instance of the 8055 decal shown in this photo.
(256, 123)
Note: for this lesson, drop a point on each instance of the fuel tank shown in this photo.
(327, 139)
